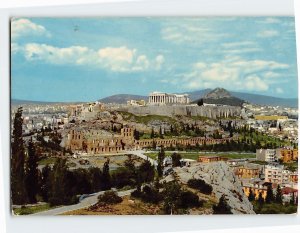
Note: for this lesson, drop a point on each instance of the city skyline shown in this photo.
(84, 59)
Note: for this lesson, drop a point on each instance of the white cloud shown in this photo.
(270, 20)
(117, 59)
(159, 60)
(25, 27)
(279, 90)
(242, 50)
(14, 47)
(240, 47)
(190, 31)
(238, 44)
(255, 83)
(233, 73)
(268, 33)
(271, 74)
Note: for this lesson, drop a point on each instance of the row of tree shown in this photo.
(270, 196)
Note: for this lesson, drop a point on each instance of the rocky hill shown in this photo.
(222, 97)
(221, 177)
(217, 93)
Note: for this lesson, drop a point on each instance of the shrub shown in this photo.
(222, 207)
(148, 194)
(136, 193)
(200, 185)
(189, 199)
(109, 197)
(151, 195)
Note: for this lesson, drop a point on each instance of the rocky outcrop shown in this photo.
(217, 94)
(221, 177)
(191, 110)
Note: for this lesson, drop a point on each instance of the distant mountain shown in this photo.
(194, 95)
(23, 102)
(218, 93)
(122, 98)
(251, 98)
(267, 100)
(221, 96)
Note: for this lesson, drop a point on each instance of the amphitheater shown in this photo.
(102, 142)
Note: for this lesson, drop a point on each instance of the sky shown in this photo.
(86, 59)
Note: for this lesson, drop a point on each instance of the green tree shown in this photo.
(106, 176)
(176, 160)
(160, 133)
(278, 197)
(171, 194)
(270, 195)
(260, 200)
(18, 193)
(59, 192)
(251, 196)
(160, 160)
(200, 102)
(189, 199)
(95, 175)
(154, 144)
(45, 184)
(146, 172)
(31, 177)
(222, 207)
(152, 135)
(293, 201)
(129, 163)
(136, 134)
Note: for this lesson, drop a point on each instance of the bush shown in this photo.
(136, 194)
(148, 194)
(151, 195)
(109, 197)
(200, 185)
(189, 199)
(222, 207)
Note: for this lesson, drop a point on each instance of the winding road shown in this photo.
(140, 153)
(91, 199)
(87, 200)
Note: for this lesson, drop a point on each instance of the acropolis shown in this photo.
(160, 98)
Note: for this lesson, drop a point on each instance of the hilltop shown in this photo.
(221, 96)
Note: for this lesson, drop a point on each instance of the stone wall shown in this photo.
(188, 110)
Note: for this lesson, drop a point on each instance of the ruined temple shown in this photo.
(97, 141)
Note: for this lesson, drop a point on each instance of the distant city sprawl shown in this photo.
(154, 115)
(154, 149)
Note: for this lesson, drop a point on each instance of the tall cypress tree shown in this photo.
(270, 195)
(45, 184)
(106, 176)
(59, 193)
(278, 197)
(251, 196)
(18, 193)
(160, 160)
(31, 178)
(152, 135)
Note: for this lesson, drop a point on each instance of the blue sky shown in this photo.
(85, 59)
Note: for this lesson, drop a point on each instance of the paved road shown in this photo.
(140, 153)
(84, 203)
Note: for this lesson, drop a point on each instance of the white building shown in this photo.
(268, 155)
(277, 174)
(160, 98)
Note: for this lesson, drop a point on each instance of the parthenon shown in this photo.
(158, 98)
